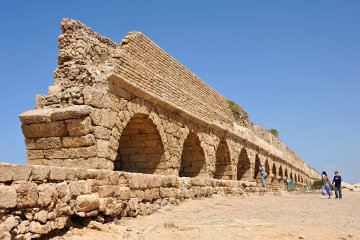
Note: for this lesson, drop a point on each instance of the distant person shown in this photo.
(337, 180)
(325, 186)
(263, 174)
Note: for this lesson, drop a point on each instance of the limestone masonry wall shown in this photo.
(36, 200)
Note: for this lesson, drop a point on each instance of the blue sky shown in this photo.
(292, 65)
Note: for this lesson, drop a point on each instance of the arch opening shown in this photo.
(243, 166)
(256, 169)
(192, 158)
(274, 170)
(281, 172)
(223, 168)
(140, 147)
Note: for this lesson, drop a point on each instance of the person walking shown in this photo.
(337, 180)
(325, 186)
(263, 174)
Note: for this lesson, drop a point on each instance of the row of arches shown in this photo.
(141, 150)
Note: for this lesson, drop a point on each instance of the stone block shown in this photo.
(21, 172)
(124, 193)
(82, 152)
(7, 196)
(71, 112)
(108, 191)
(79, 127)
(30, 143)
(57, 153)
(83, 141)
(46, 192)
(51, 129)
(48, 143)
(39, 173)
(87, 203)
(93, 97)
(79, 187)
(36, 116)
(27, 194)
(102, 132)
(35, 154)
(102, 148)
(6, 172)
(57, 173)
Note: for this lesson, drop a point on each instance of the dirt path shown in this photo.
(290, 216)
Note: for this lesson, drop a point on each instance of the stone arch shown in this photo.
(256, 169)
(192, 158)
(286, 174)
(223, 168)
(140, 147)
(243, 166)
(295, 178)
(291, 176)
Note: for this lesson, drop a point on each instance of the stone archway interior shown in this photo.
(286, 173)
(223, 163)
(192, 158)
(257, 165)
(267, 168)
(140, 147)
(274, 170)
(280, 171)
(243, 166)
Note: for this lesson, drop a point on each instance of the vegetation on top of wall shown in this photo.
(274, 132)
(237, 110)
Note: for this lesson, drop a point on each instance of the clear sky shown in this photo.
(292, 65)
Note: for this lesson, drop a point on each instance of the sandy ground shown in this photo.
(290, 216)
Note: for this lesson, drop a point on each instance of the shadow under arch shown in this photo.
(140, 147)
(243, 166)
(223, 168)
(192, 158)
(280, 171)
(256, 167)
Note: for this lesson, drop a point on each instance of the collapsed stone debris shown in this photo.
(124, 126)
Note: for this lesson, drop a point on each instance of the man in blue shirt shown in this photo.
(337, 180)
(263, 174)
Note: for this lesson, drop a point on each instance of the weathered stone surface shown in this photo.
(79, 127)
(57, 173)
(36, 116)
(87, 203)
(83, 141)
(51, 129)
(39, 173)
(48, 143)
(27, 194)
(71, 112)
(21, 172)
(46, 192)
(6, 172)
(7, 196)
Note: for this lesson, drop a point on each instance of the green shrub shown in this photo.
(318, 185)
(274, 132)
(237, 110)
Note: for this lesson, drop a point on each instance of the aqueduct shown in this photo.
(132, 107)
(150, 127)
